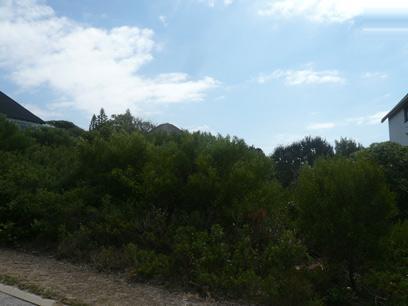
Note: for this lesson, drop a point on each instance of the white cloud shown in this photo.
(303, 76)
(163, 20)
(332, 10)
(321, 126)
(375, 75)
(367, 120)
(88, 67)
(362, 120)
(212, 3)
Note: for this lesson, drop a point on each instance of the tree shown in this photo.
(100, 122)
(128, 123)
(346, 147)
(101, 119)
(345, 209)
(388, 277)
(68, 126)
(11, 137)
(393, 158)
(144, 126)
(289, 159)
(124, 122)
(92, 124)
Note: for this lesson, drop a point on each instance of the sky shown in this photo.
(268, 71)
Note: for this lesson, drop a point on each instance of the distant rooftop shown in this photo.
(166, 128)
(12, 110)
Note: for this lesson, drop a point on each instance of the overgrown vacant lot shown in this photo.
(209, 214)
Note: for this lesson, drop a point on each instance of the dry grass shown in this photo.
(80, 285)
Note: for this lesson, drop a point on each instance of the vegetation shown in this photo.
(345, 209)
(68, 126)
(393, 158)
(346, 147)
(300, 227)
(290, 159)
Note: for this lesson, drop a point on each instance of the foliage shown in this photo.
(92, 124)
(127, 123)
(11, 138)
(201, 211)
(393, 158)
(120, 123)
(387, 281)
(70, 127)
(346, 147)
(289, 159)
(344, 210)
(101, 119)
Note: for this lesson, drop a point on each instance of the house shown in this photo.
(16, 113)
(398, 122)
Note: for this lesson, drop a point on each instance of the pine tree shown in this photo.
(92, 125)
(101, 119)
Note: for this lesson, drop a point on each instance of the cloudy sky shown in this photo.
(268, 71)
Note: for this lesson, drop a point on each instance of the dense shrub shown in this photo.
(205, 212)
(345, 210)
(11, 138)
(387, 281)
(291, 158)
(393, 158)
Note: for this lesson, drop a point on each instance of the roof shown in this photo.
(13, 110)
(166, 128)
(403, 103)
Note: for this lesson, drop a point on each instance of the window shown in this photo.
(406, 114)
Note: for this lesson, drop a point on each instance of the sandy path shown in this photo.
(74, 283)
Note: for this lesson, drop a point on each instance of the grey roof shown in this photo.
(13, 110)
(166, 128)
(403, 103)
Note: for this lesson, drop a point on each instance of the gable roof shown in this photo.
(13, 110)
(403, 103)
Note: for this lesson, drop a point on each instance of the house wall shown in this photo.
(398, 128)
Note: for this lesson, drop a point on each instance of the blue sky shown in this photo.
(267, 71)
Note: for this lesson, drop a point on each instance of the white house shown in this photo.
(398, 122)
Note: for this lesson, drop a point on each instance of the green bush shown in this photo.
(393, 158)
(387, 280)
(146, 264)
(109, 259)
(209, 212)
(345, 209)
